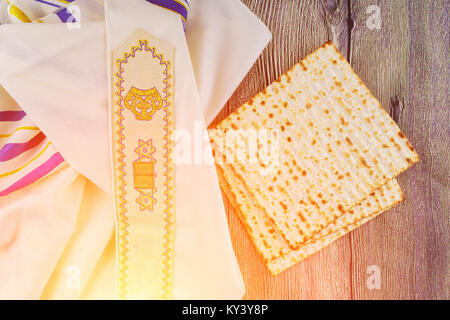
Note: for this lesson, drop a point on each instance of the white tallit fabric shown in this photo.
(59, 79)
(26, 154)
(19, 11)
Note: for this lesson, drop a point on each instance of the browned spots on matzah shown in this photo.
(327, 134)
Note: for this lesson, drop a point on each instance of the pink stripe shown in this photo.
(35, 175)
(12, 150)
(12, 115)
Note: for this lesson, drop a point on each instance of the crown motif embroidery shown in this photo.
(143, 103)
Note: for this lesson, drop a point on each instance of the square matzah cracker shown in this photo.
(338, 147)
(274, 249)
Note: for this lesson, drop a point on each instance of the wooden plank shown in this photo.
(380, 58)
(405, 65)
(428, 125)
(409, 242)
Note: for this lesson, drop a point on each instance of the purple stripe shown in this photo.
(34, 175)
(12, 115)
(64, 15)
(172, 5)
(49, 3)
(12, 150)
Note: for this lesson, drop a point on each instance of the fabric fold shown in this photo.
(58, 76)
(35, 226)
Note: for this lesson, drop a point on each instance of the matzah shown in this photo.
(339, 153)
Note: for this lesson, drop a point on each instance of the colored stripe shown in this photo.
(49, 3)
(64, 15)
(172, 5)
(35, 175)
(12, 150)
(26, 164)
(183, 3)
(19, 14)
(12, 115)
(18, 129)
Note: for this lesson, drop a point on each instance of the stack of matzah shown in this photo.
(337, 158)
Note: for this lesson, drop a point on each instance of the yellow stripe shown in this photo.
(19, 14)
(20, 128)
(18, 169)
(176, 13)
(183, 4)
(64, 1)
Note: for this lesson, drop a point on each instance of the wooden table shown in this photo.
(405, 64)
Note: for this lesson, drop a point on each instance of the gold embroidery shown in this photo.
(143, 103)
(144, 175)
(145, 259)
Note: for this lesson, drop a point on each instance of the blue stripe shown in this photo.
(173, 6)
(49, 3)
(64, 15)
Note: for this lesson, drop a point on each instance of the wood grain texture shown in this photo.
(405, 65)
(428, 122)
(381, 59)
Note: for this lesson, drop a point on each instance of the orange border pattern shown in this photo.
(169, 174)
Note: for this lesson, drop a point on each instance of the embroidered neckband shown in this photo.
(142, 115)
